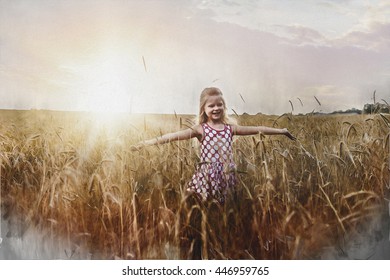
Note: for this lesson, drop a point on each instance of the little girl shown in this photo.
(215, 174)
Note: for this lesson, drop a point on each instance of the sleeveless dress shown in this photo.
(215, 174)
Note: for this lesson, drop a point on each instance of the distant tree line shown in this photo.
(376, 108)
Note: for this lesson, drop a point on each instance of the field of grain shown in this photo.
(73, 178)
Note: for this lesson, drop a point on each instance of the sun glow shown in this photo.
(108, 81)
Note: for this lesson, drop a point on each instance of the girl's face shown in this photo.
(214, 108)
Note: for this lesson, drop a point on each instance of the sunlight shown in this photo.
(110, 80)
(108, 83)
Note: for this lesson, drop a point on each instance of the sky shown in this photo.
(157, 56)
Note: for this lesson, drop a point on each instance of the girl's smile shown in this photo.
(214, 108)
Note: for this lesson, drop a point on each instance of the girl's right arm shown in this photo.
(186, 134)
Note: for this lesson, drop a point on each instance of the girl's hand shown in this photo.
(288, 134)
(136, 148)
(142, 145)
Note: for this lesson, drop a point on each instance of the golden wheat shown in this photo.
(63, 173)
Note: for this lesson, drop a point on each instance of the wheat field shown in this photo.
(73, 178)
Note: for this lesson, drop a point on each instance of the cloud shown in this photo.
(376, 39)
(260, 49)
(301, 35)
(305, 20)
(375, 12)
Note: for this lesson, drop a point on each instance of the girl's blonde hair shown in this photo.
(206, 93)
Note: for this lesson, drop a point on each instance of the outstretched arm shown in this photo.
(170, 137)
(251, 130)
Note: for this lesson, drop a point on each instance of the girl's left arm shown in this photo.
(251, 130)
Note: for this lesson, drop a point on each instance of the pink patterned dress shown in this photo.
(215, 174)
